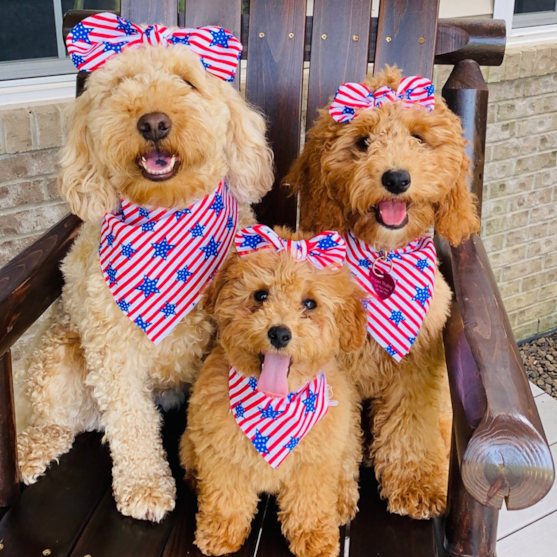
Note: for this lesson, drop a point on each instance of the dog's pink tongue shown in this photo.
(392, 212)
(155, 161)
(273, 380)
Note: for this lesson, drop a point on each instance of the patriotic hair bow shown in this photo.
(99, 37)
(413, 90)
(327, 249)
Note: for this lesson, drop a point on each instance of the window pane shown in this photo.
(90, 5)
(529, 6)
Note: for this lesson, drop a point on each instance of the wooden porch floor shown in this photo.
(533, 532)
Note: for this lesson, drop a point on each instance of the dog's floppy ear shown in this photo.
(211, 294)
(81, 182)
(249, 157)
(351, 319)
(456, 217)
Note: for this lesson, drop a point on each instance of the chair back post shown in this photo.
(9, 484)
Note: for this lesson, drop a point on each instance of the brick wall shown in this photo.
(519, 225)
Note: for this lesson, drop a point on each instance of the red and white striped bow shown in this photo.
(350, 97)
(99, 37)
(327, 249)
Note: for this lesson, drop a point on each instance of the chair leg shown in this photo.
(9, 485)
(470, 528)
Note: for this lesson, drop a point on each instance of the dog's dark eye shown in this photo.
(308, 303)
(363, 143)
(261, 295)
(418, 137)
(189, 83)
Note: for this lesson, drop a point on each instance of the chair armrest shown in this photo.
(502, 447)
(31, 281)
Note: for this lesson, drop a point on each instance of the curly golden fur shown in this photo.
(94, 369)
(316, 485)
(339, 177)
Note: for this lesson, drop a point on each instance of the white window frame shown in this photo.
(504, 9)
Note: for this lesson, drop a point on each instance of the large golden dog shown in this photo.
(155, 128)
(389, 176)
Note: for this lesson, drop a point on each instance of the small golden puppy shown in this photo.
(384, 164)
(271, 411)
(162, 162)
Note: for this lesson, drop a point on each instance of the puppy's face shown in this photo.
(155, 127)
(270, 308)
(392, 173)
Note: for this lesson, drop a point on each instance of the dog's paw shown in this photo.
(419, 501)
(149, 500)
(37, 447)
(319, 542)
(347, 505)
(218, 536)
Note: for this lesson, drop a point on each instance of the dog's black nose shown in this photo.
(396, 181)
(154, 126)
(279, 336)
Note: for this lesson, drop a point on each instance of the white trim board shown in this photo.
(38, 90)
(504, 9)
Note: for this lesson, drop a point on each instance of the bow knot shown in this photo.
(327, 249)
(99, 37)
(411, 91)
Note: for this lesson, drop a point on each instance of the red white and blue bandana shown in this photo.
(394, 322)
(276, 425)
(101, 36)
(156, 262)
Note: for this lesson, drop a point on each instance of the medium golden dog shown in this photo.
(320, 311)
(389, 176)
(155, 128)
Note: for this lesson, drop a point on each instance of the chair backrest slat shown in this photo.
(226, 13)
(159, 11)
(274, 83)
(339, 49)
(406, 35)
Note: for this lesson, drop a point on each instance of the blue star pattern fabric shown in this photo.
(126, 26)
(276, 425)
(252, 240)
(81, 33)
(114, 47)
(158, 263)
(327, 243)
(220, 37)
(230, 223)
(395, 321)
(217, 204)
(141, 324)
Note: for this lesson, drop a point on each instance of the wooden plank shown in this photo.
(9, 484)
(376, 532)
(226, 13)
(537, 540)
(406, 34)
(52, 513)
(339, 49)
(161, 11)
(512, 521)
(274, 83)
(32, 280)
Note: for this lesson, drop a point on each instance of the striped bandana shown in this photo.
(395, 321)
(156, 262)
(276, 425)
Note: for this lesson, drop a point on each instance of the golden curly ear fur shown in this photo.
(455, 216)
(82, 181)
(352, 320)
(211, 294)
(249, 158)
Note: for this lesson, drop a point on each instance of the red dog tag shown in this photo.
(384, 285)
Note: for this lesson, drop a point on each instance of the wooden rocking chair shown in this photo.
(499, 448)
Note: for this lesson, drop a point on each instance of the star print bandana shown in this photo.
(324, 250)
(350, 97)
(394, 322)
(156, 262)
(276, 425)
(99, 37)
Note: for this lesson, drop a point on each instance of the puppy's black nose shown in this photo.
(279, 336)
(154, 126)
(396, 181)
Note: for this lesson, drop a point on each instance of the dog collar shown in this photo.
(276, 425)
(400, 285)
(156, 262)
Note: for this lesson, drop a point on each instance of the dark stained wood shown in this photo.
(406, 34)
(375, 532)
(32, 280)
(340, 39)
(52, 513)
(9, 485)
(466, 94)
(159, 11)
(226, 13)
(274, 83)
